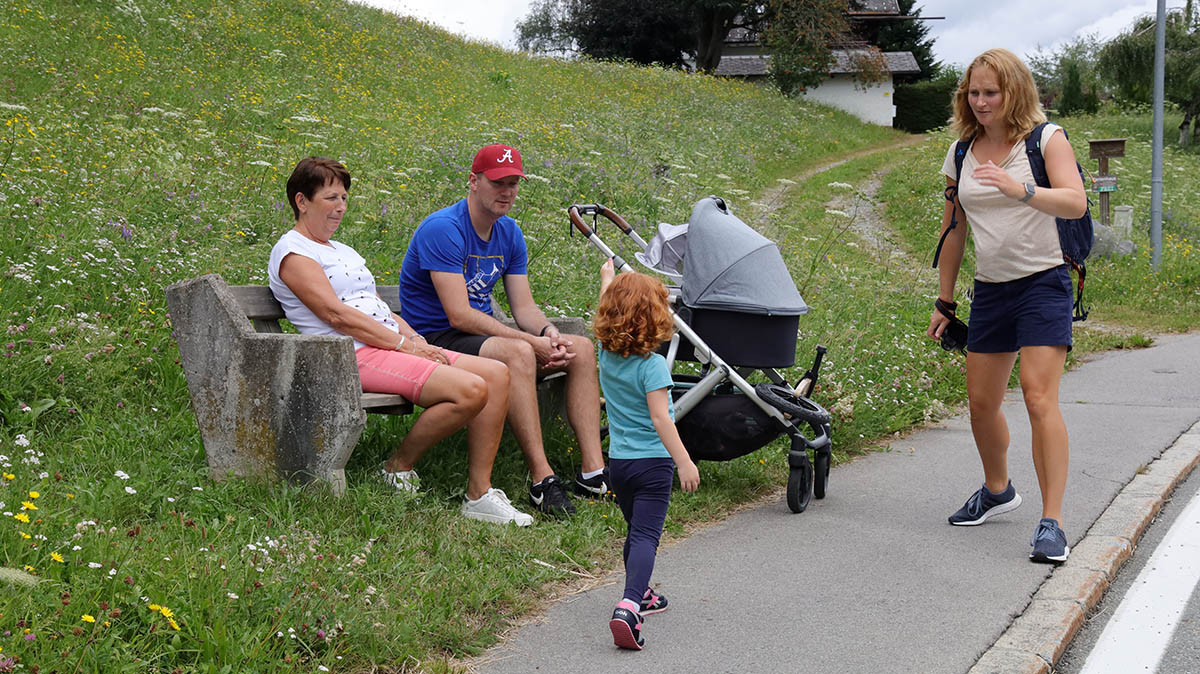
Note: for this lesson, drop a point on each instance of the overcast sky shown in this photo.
(970, 26)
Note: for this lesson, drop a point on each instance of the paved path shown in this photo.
(872, 579)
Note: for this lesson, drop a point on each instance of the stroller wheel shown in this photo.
(783, 399)
(820, 473)
(800, 481)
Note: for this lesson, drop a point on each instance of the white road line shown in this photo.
(1141, 628)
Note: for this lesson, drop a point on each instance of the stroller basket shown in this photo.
(725, 425)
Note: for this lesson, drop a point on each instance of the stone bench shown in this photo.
(271, 403)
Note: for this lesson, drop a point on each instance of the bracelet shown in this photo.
(544, 329)
(400, 343)
(417, 335)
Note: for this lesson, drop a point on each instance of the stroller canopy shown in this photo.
(731, 267)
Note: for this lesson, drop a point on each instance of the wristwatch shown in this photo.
(1028, 193)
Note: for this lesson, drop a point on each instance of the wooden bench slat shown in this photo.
(258, 303)
(386, 403)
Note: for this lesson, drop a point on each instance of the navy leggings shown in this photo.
(643, 490)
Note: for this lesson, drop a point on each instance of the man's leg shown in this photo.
(583, 401)
(522, 400)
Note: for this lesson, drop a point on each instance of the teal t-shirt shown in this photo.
(625, 381)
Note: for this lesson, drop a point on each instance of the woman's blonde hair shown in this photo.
(1022, 110)
(633, 317)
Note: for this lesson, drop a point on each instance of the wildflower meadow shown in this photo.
(148, 141)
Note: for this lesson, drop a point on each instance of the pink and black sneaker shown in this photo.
(652, 602)
(626, 626)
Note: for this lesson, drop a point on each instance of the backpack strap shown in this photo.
(1037, 164)
(951, 193)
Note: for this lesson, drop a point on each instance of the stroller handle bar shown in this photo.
(577, 211)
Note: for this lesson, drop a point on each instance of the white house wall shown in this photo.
(875, 104)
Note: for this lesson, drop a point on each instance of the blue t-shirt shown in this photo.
(446, 241)
(626, 380)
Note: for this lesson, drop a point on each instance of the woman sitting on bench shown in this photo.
(325, 288)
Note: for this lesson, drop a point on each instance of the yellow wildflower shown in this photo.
(34, 494)
(87, 618)
(21, 517)
(28, 505)
(154, 607)
(166, 612)
(24, 535)
(174, 625)
(56, 557)
(9, 476)
(29, 568)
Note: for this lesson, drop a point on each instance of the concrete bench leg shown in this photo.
(269, 405)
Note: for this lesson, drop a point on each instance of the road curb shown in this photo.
(1035, 641)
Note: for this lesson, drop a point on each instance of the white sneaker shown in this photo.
(402, 480)
(495, 507)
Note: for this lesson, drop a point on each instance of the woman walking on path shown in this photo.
(1023, 298)
(632, 319)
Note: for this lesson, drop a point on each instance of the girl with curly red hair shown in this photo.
(632, 320)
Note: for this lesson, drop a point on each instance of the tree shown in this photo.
(909, 35)
(645, 32)
(655, 32)
(1128, 61)
(1051, 68)
(802, 35)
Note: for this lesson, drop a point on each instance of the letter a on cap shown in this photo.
(498, 161)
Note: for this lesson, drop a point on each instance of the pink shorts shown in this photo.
(388, 371)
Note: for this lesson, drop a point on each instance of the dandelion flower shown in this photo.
(56, 557)
(21, 517)
(166, 612)
(154, 607)
(174, 625)
(9, 476)
(24, 535)
(34, 494)
(28, 505)
(87, 618)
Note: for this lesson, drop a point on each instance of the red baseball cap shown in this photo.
(498, 161)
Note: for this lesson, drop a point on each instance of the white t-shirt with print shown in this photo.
(348, 274)
(1012, 239)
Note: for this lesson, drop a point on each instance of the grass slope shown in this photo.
(147, 141)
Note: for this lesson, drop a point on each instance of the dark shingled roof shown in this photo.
(898, 62)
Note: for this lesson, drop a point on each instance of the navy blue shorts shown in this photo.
(1030, 311)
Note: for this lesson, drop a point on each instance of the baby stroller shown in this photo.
(736, 311)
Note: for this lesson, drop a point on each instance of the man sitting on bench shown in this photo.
(454, 260)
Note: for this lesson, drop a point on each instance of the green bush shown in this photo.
(924, 105)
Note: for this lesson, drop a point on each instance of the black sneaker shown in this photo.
(626, 626)
(653, 602)
(550, 497)
(1049, 543)
(597, 487)
(984, 504)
